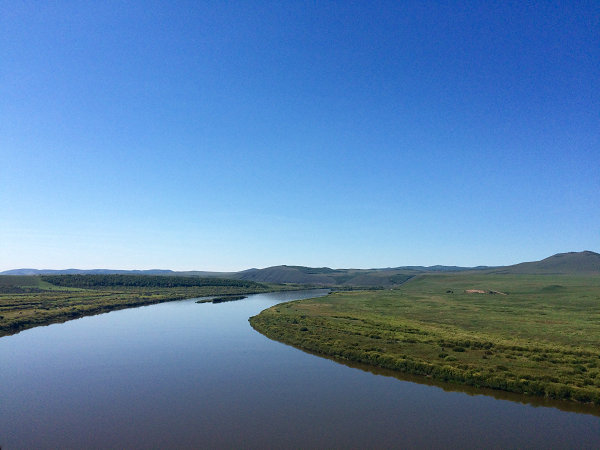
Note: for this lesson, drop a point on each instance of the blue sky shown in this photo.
(228, 135)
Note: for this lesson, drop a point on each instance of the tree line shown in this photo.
(155, 281)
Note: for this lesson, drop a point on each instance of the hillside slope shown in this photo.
(571, 263)
(324, 276)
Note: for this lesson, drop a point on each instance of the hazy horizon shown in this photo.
(254, 267)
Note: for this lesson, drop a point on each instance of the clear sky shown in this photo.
(227, 135)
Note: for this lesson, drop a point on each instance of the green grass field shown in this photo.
(536, 335)
(30, 301)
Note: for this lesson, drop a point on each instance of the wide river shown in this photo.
(187, 375)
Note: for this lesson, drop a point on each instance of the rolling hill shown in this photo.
(572, 263)
(324, 276)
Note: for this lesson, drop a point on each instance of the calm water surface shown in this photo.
(182, 374)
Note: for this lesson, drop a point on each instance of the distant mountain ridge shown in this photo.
(585, 262)
(115, 271)
(83, 272)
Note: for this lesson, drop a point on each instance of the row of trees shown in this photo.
(155, 281)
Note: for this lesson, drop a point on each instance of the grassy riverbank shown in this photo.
(30, 301)
(531, 334)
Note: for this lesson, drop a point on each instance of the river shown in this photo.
(188, 375)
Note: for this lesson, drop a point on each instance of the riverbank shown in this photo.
(31, 301)
(540, 339)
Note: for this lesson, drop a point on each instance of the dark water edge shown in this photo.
(563, 405)
(529, 400)
(187, 375)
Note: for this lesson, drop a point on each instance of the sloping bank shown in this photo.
(346, 326)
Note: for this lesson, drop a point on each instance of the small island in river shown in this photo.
(223, 299)
(28, 301)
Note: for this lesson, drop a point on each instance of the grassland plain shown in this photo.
(30, 301)
(536, 335)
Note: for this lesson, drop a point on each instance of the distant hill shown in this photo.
(286, 274)
(439, 268)
(571, 263)
(83, 272)
(320, 276)
(585, 262)
(324, 276)
(191, 273)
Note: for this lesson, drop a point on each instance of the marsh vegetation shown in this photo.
(542, 338)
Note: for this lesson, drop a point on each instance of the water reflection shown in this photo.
(187, 375)
(469, 390)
